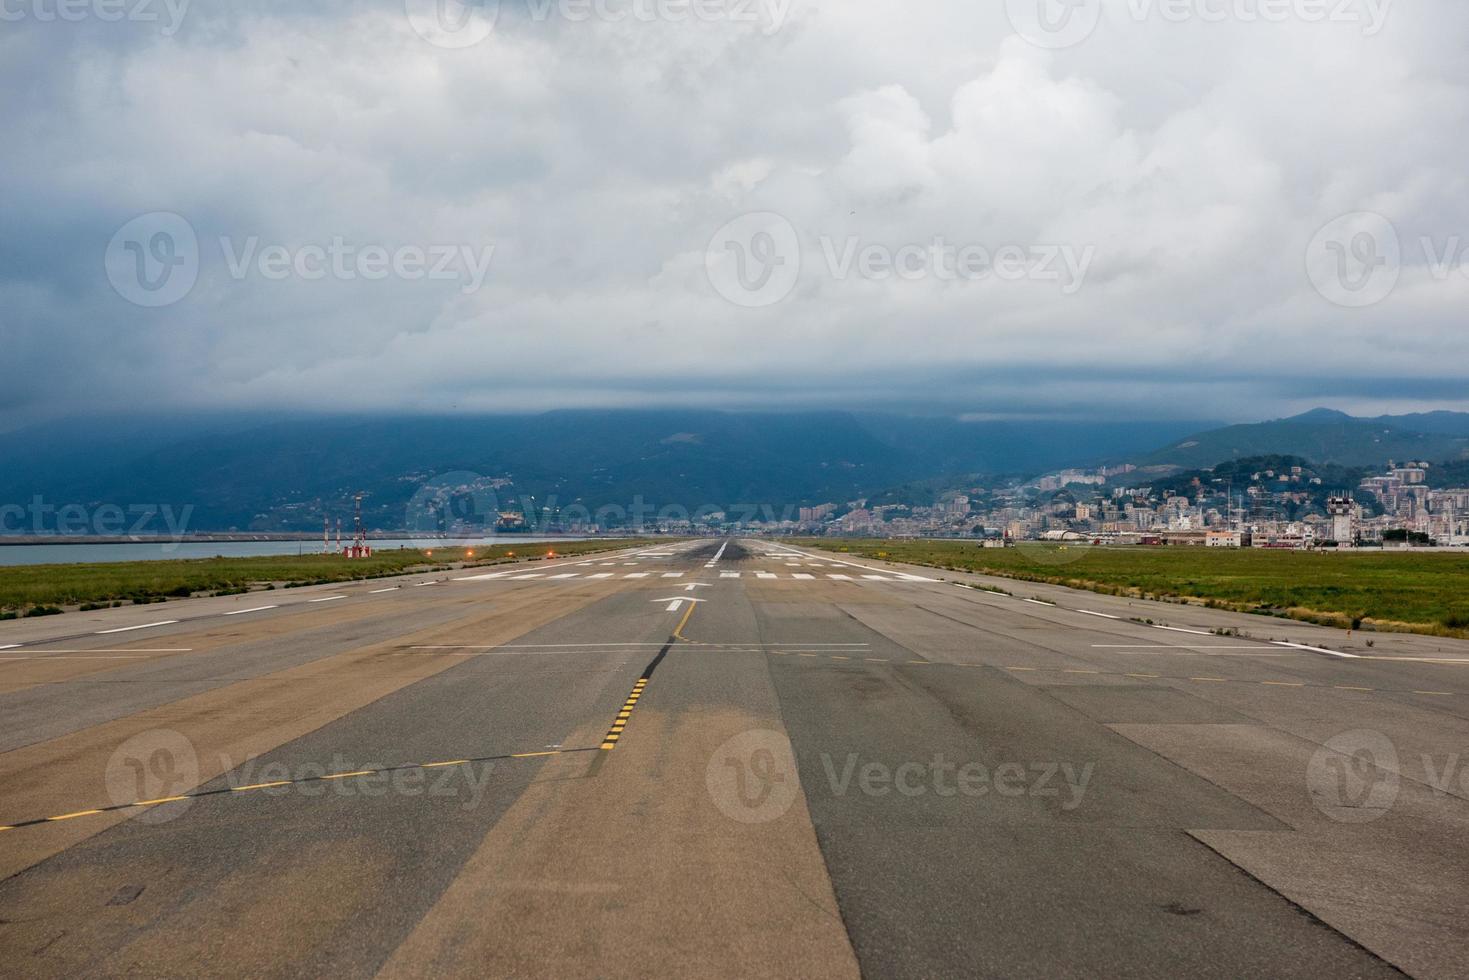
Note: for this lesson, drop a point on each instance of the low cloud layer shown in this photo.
(1130, 207)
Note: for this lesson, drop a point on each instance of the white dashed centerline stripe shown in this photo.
(241, 612)
(129, 629)
(330, 598)
(381, 591)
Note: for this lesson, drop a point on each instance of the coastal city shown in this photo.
(1285, 505)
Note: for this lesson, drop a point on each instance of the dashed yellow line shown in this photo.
(609, 741)
(281, 782)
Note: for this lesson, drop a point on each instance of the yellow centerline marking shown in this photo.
(348, 775)
(279, 782)
(73, 816)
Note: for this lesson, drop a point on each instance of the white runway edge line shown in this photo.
(327, 598)
(1088, 612)
(1302, 646)
(241, 612)
(129, 629)
(394, 588)
(1180, 629)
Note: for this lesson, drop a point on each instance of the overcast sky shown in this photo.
(1237, 209)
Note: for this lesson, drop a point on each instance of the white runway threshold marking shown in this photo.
(129, 629)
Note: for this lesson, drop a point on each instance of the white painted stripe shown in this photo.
(1171, 646)
(1302, 646)
(394, 588)
(10, 646)
(419, 585)
(129, 629)
(840, 578)
(802, 575)
(637, 575)
(1180, 629)
(517, 578)
(241, 612)
(878, 578)
(330, 598)
(729, 574)
(765, 575)
(673, 574)
(601, 575)
(18, 659)
(567, 575)
(1088, 612)
(1039, 602)
(481, 578)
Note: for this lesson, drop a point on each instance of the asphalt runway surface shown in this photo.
(726, 757)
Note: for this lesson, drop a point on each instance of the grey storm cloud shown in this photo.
(1207, 208)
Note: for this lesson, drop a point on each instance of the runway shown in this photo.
(726, 757)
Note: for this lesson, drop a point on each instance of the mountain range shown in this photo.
(274, 474)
